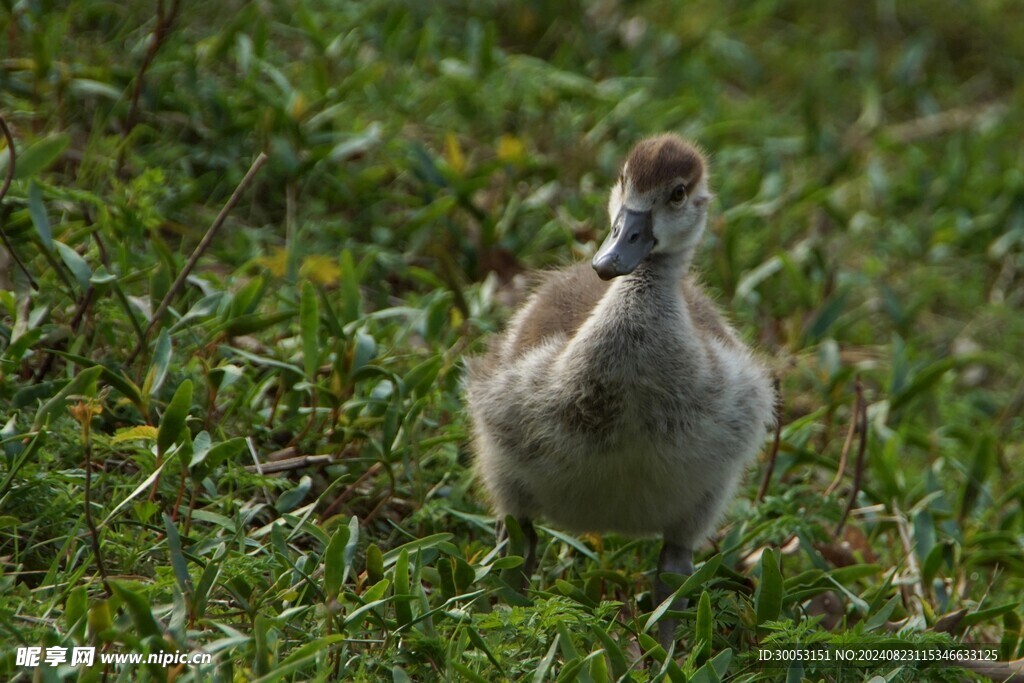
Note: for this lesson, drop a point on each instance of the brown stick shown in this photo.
(8, 179)
(763, 490)
(94, 533)
(164, 21)
(200, 249)
(858, 472)
(350, 489)
(854, 418)
(290, 464)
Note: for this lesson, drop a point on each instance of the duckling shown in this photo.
(619, 399)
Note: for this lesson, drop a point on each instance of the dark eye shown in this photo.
(678, 195)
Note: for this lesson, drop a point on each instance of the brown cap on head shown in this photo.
(655, 161)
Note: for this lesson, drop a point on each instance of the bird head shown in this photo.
(658, 206)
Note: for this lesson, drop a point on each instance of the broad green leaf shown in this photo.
(481, 644)
(351, 298)
(398, 674)
(84, 384)
(335, 570)
(376, 591)
(697, 580)
(571, 655)
(826, 316)
(463, 574)
(178, 562)
(157, 372)
(207, 580)
(76, 264)
(982, 464)
(599, 667)
(853, 573)
(357, 144)
(247, 299)
(250, 323)
(924, 533)
(86, 87)
(576, 669)
(301, 658)
(447, 580)
(721, 662)
(403, 611)
(1011, 636)
(541, 672)
(570, 591)
(879, 618)
(465, 674)
(990, 613)
(704, 628)
(922, 381)
(715, 670)
(173, 420)
(262, 655)
(351, 546)
(293, 497)
(421, 378)
(112, 377)
(37, 209)
(210, 458)
(100, 618)
(570, 540)
(669, 667)
(261, 361)
(101, 276)
(356, 615)
(139, 489)
(76, 609)
(140, 610)
(931, 564)
(391, 556)
(614, 651)
(769, 593)
(374, 563)
(37, 157)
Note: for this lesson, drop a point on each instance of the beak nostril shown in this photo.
(634, 237)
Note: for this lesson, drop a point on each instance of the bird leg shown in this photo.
(521, 578)
(675, 559)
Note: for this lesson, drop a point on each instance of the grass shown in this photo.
(869, 226)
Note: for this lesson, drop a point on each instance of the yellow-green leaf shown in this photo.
(138, 433)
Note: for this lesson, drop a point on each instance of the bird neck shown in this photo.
(654, 283)
(642, 313)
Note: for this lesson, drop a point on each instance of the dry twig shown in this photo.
(164, 21)
(289, 464)
(858, 473)
(200, 249)
(774, 454)
(336, 504)
(854, 419)
(8, 179)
